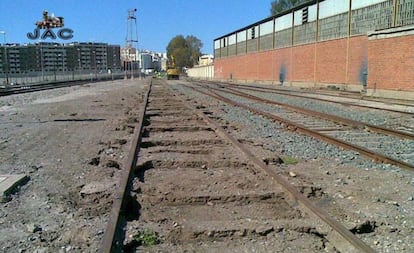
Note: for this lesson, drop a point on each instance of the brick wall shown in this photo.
(382, 63)
(391, 63)
(265, 67)
(357, 60)
(331, 61)
(303, 63)
(282, 63)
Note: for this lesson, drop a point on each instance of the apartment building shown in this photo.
(56, 57)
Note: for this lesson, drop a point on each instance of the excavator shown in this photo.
(173, 73)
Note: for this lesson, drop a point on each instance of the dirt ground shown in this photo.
(71, 142)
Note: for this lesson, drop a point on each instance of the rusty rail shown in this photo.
(19, 89)
(334, 118)
(289, 93)
(109, 242)
(302, 129)
(353, 242)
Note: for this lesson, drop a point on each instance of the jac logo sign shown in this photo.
(48, 23)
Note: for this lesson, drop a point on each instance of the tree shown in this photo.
(279, 6)
(177, 49)
(194, 46)
(185, 51)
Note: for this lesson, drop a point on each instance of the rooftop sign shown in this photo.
(48, 23)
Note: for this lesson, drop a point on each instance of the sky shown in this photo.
(158, 21)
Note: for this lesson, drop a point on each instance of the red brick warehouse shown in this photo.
(352, 44)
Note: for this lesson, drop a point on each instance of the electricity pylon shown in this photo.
(131, 41)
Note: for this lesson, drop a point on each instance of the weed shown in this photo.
(147, 237)
(289, 160)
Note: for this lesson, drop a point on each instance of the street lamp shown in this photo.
(94, 62)
(63, 63)
(99, 68)
(55, 63)
(42, 61)
(79, 61)
(5, 68)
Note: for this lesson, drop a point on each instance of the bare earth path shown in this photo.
(71, 142)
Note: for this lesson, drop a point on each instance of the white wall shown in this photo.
(201, 72)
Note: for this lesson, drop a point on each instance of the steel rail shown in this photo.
(46, 86)
(302, 129)
(289, 93)
(40, 87)
(311, 208)
(109, 242)
(334, 118)
(345, 94)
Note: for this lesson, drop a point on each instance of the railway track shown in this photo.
(403, 110)
(343, 98)
(192, 186)
(402, 132)
(34, 88)
(378, 143)
(19, 89)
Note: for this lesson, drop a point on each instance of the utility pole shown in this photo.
(131, 39)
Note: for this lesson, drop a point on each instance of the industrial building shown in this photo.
(206, 59)
(355, 45)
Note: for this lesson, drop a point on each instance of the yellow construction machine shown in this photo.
(173, 73)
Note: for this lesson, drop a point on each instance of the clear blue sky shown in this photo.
(158, 20)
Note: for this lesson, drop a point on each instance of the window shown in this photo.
(305, 15)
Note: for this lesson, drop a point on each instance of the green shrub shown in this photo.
(289, 160)
(147, 237)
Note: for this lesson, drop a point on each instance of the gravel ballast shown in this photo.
(365, 190)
